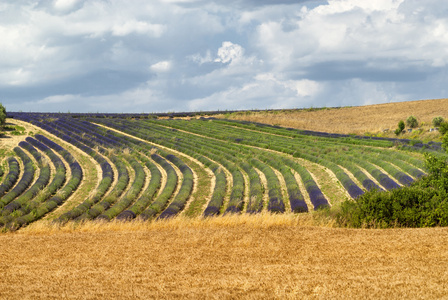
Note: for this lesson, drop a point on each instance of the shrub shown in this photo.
(443, 127)
(400, 127)
(2, 118)
(445, 142)
(412, 122)
(423, 204)
(2, 115)
(437, 121)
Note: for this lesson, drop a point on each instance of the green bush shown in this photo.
(412, 122)
(2, 115)
(400, 127)
(437, 121)
(423, 204)
(2, 118)
(445, 142)
(443, 127)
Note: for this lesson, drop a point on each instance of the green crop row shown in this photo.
(162, 199)
(131, 195)
(146, 197)
(111, 198)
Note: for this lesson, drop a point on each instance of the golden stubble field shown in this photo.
(259, 257)
(354, 120)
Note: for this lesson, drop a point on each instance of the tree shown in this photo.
(437, 121)
(2, 117)
(400, 127)
(445, 142)
(412, 122)
(443, 127)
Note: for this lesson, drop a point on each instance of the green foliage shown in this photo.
(2, 115)
(412, 122)
(400, 127)
(423, 204)
(445, 142)
(443, 127)
(437, 121)
(2, 118)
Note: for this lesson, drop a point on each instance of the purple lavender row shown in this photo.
(384, 180)
(92, 131)
(48, 203)
(317, 198)
(69, 136)
(41, 182)
(30, 200)
(12, 176)
(179, 201)
(24, 182)
(108, 207)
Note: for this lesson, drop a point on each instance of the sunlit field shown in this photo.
(141, 206)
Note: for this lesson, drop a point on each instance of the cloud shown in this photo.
(139, 27)
(246, 4)
(65, 5)
(263, 92)
(193, 54)
(357, 39)
(229, 52)
(161, 67)
(56, 99)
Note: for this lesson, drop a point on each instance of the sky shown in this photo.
(148, 56)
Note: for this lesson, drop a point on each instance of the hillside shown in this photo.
(373, 119)
(142, 207)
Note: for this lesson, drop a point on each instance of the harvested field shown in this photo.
(246, 257)
(353, 120)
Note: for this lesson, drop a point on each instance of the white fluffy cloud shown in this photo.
(177, 55)
(229, 52)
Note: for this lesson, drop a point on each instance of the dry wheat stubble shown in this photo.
(226, 261)
(358, 120)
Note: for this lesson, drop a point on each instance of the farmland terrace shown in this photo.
(192, 195)
(157, 168)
